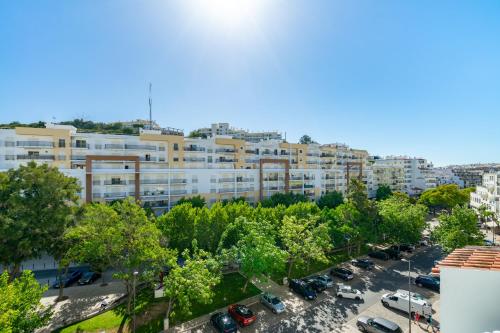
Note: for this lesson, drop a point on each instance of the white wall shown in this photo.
(470, 300)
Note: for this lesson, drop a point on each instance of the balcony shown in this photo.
(225, 160)
(226, 190)
(114, 146)
(249, 151)
(225, 150)
(251, 160)
(36, 157)
(154, 181)
(194, 159)
(110, 182)
(178, 181)
(245, 189)
(139, 147)
(80, 145)
(31, 144)
(178, 192)
(194, 149)
(148, 159)
(117, 195)
(244, 180)
(78, 158)
(226, 180)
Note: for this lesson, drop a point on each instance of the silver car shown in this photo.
(328, 281)
(377, 325)
(272, 302)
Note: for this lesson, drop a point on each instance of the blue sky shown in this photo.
(420, 78)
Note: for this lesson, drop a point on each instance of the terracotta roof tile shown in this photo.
(476, 257)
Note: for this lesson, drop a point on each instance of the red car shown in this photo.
(241, 314)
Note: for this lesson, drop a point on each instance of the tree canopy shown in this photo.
(330, 200)
(383, 192)
(445, 197)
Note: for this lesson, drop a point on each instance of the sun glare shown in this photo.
(228, 15)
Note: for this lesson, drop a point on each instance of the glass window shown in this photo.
(62, 143)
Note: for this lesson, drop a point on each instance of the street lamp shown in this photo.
(133, 310)
(409, 293)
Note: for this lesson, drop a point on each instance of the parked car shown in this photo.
(223, 323)
(241, 314)
(89, 278)
(348, 292)
(399, 301)
(393, 253)
(363, 263)
(67, 280)
(301, 288)
(316, 285)
(272, 302)
(378, 255)
(428, 281)
(325, 279)
(343, 273)
(377, 325)
(487, 242)
(404, 247)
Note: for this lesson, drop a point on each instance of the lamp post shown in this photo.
(409, 294)
(133, 310)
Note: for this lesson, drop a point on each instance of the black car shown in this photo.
(317, 285)
(403, 247)
(88, 278)
(378, 255)
(428, 281)
(302, 288)
(393, 253)
(67, 280)
(363, 263)
(343, 273)
(223, 322)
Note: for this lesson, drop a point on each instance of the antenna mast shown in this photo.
(150, 108)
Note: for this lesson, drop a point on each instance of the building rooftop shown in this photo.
(475, 257)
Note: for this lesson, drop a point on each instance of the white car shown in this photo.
(348, 292)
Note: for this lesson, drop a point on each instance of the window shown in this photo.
(209, 159)
(62, 143)
(148, 157)
(176, 159)
(115, 181)
(33, 153)
(176, 146)
(300, 151)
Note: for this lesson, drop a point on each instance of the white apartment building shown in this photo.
(444, 176)
(411, 175)
(470, 290)
(159, 168)
(488, 194)
(236, 133)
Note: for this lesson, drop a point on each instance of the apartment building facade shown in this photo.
(488, 193)
(236, 133)
(159, 168)
(410, 175)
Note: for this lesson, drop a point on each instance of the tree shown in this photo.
(257, 252)
(368, 218)
(304, 240)
(94, 239)
(342, 225)
(383, 192)
(402, 222)
(178, 226)
(330, 200)
(197, 201)
(20, 308)
(445, 197)
(285, 199)
(458, 229)
(191, 282)
(306, 139)
(36, 206)
(197, 134)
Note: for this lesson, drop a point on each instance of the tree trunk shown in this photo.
(290, 264)
(166, 323)
(129, 297)
(61, 284)
(246, 284)
(103, 283)
(14, 272)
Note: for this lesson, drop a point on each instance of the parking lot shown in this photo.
(329, 314)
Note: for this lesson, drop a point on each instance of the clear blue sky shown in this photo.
(394, 77)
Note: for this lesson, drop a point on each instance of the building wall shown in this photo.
(469, 300)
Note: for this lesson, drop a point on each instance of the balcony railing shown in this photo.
(225, 150)
(154, 181)
(226, 160)
(178, 181)
(225, 190)
(243, 180)
(199, 149)
(226, 180)
(150, 159)
(45, 144)
(178, 192)
(110, 182)
(140, 147)
(114, 146)
(35, 157)
(194, 159)
(77, 157)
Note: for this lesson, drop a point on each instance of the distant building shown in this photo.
(235, 133)
(140, 123)
(488, 193)
(470, 290)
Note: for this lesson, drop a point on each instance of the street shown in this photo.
(330, 314)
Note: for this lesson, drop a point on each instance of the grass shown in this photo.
(227, 292)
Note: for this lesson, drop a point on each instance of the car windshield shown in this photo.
(244, 311)
(87, 275)
(275, 300)
(227, 322)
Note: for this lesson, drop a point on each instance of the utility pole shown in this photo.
(150, 107)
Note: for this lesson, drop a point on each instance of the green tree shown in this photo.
(368, 218)
(445, 197)
(304, 240)
(306, 139)
(330, 200)
(191, 282)
(383, 192)
(285, 199)
(196, 201)
(458, 229)
(178, 226)
(20, 308)
(257, 252)
(402, 222)
(342, 224)
(36, 206)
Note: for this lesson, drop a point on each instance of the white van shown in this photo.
(399, 301)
